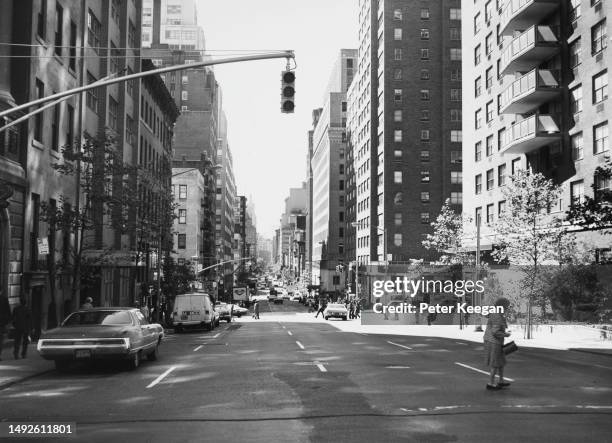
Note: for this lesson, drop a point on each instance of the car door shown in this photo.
(147, 331)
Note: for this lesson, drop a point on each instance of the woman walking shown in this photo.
(493, 345)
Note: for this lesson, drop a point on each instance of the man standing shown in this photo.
(88, 303)
(22, 321)
(5, 318)
(256, 309)
(322, 306)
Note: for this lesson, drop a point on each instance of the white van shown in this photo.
(194, 310)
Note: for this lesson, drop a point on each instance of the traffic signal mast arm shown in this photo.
(289, 54)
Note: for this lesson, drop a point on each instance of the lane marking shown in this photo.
(397, 367)
(198, 348)
(161, 377)
(401, 346)
(321, 367)
(480, 370)
(289, 332)
(216, 335)
(461, 343)
(300, 344)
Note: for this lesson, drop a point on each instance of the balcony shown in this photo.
(530, 134)
(520, 14)
(534, 46)
(530, 92)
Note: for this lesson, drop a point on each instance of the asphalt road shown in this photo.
(280, 381)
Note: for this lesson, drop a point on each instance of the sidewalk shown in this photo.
(12, 371)
(562, 337)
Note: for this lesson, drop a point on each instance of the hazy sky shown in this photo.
(269, 148)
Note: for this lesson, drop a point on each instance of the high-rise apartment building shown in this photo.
(329, 178)
(174, 24)
(405, 124)
(536, 82)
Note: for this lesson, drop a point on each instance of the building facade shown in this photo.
(405, 124)
(536, 79)
(172, 23)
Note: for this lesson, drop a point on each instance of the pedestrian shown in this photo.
(22, 322)
(88, 303)
(5, 318)
(322, 306)
(256, 311)
(357, 308)
(493, 345)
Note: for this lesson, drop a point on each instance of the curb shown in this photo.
(593, 351)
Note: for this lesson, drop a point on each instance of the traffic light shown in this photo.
(287, 92)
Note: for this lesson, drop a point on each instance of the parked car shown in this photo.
(194, 310)
(279, 298)
(335, 310)
(224, 310)
(239, 311)
(100, 334)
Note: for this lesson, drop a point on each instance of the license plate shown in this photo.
(82, 353)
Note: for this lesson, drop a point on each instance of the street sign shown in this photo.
(43, 246)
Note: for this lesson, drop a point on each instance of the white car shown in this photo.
(336, 310)
(296, 296)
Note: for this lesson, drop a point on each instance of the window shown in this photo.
(41, 28)
(398, 219)
(73, 44)
(489, 145)
(488, 12)
(397, 199)
(397, 115)
(489, 77)
(478, 215)
(59, 26)
(501, 135)
(182, 216)
(425, 197)
(577, 143)
(501, 207)
(516, 165)
(424, 176)
(397, 135)
(184, 95)
(489, 44)
(478, 184)
(455, 34)
(477, 55)
(424, 74)
(455, 13)
(456, 157)
(397, 95)
(575, 53)
(425, 134)
(456, 136)
(490, 179)
(478, 151)
(116, 10)
(600, 138)
(455, 115)
(424, 14)
(575, 11)
(114, 59)
(490, 215)
(397, 53)
(576, 100)
(39, 119)
(70, 124)
(455, 75)
(577, 192)
(599, 37)
(132, 41)
(55, 128)
(424, 94)
(341, 185)
(397, 75)
(397, 34)
(397, 14)
(182, 192)
(601, 186)
(94, 31)
(456, 177)
(397, 239)
(424, 156)
(456, 198)
(489, 111)
(501, 175)
(477, 24)
(455, 95)
(478, 119)
(397, 177)
(455, 54)
(424, 34)
(425, 217)
(129, 130)
(424, 54)
(600, 87)
(113, 110)
(182, 241)
(478, 86)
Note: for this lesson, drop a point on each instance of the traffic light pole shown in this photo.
(289, 54)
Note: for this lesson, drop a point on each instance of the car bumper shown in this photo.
(337, 315)
(75, 352)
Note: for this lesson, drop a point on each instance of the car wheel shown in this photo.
(326, 318)
(62, 365)
(229, 320)
(154, 354)
(344, 318)
(134, 361)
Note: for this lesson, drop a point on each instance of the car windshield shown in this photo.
(93, 318)
(335, 306)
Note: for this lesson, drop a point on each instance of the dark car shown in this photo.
(102, 334)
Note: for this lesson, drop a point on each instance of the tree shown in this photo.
(177, 278)
(595, 212)
(527, 234)
(448, 236)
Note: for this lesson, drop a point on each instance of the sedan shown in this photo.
(335, 310)
(239, 311)
(224, 310)
(102, 333)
